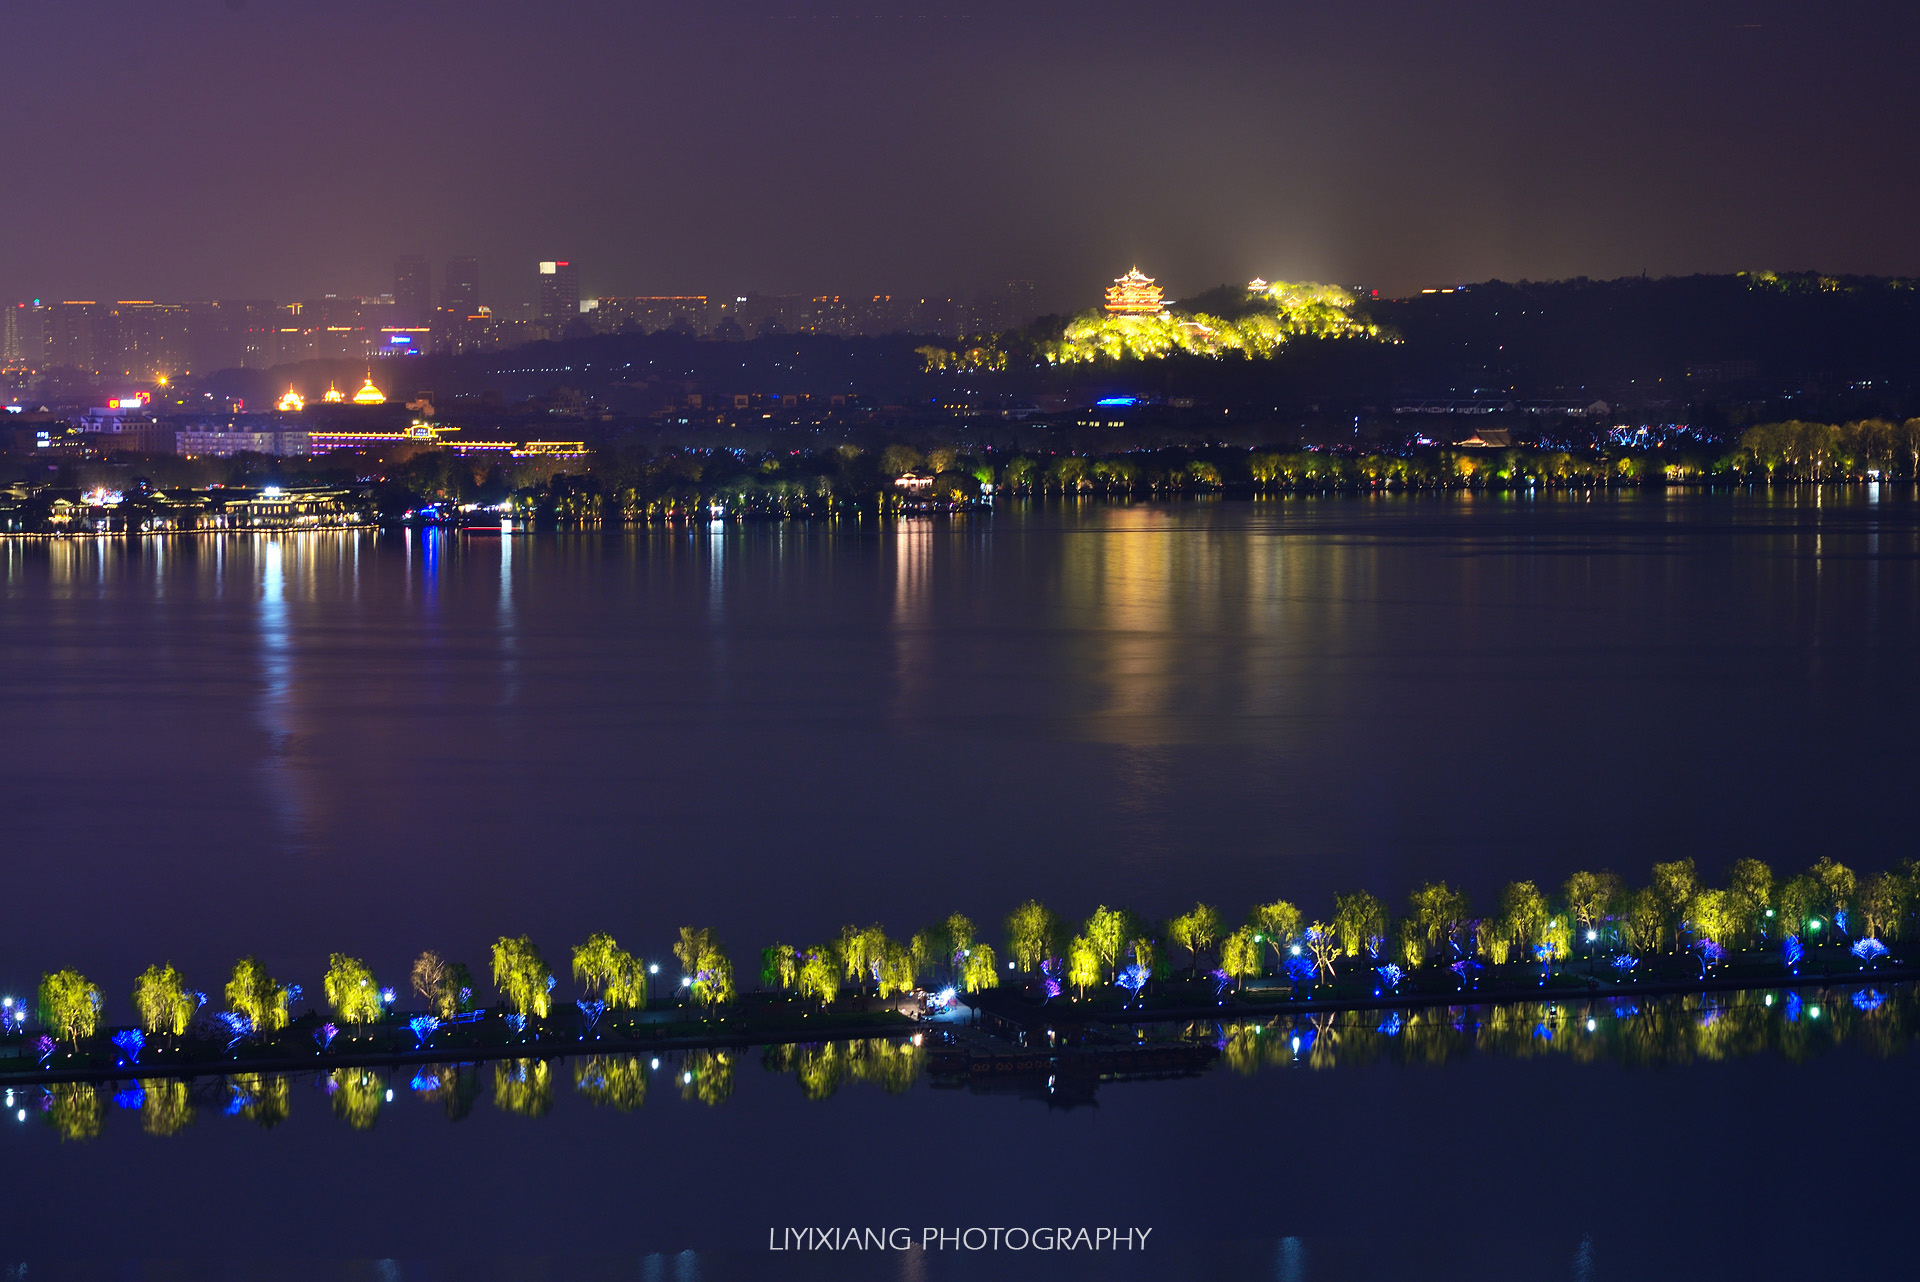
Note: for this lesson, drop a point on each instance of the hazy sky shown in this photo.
(286, 148)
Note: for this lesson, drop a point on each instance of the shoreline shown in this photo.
(993, 1006)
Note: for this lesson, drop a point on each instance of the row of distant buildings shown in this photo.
(147, 341)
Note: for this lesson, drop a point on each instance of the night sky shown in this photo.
(286, 148)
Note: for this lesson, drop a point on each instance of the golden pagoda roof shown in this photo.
(1134, 294)
(369, 394)
(334, 395)
(292, 401)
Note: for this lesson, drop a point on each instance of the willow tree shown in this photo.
(1438, 911)
(1357, 919)
(980, 970)
(1083, 963)
(165, 1003)
(694, 943)
(1674, 886)
(1033, 934)
(894, 971)
(1837, 884)
(1107, 932)
(860, 948)
(1749, 895)
(521, 977)
(1883, 905)
(1591, 897)
(779, 967)
(350, 989)
(1644, 920)
(1195, 931)
(960, 936)
(252, 992)
(1240, 955)
(597, 962)
(713, 983)
(69, 1002)
(819, 975)
(1523, 915)
(1276, 924)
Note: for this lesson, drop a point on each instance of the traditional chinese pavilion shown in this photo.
(1134, 295)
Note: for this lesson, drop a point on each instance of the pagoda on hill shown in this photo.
(1134, 295)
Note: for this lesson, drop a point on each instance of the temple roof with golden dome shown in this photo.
(292, 402)
(334, 395)
(369, 394)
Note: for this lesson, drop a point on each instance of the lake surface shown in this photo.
(375, 743)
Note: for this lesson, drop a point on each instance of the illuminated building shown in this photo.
(334, 395)
(559, 295)
(369, 394)
(1134, 295)
(292, 402)
(1256, 285)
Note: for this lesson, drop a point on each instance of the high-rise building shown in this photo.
(559, 295)
(70, 335)
(412, 289)
(460, 287)
(1021, 307)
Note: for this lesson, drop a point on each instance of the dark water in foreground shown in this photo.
(375, 744)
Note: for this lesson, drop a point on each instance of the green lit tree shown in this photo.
(979, 971)
(712, 985)
(165, 1003)
(1033, 934)
(1107, 932)
(1438, 911)
(521, 977)
(597, 963)
(1083, 963)
(1523, 915)
(1240, 955)
(1195, 931)
(1749, 896)
(1277, 924)
(252, 992)
(70, 1003)
(350, 989)
(1837, 884)
(779, 967)
(894, 971)
(1358, 917)
(1674, 885)
(1591, 897)
(1883, 905)
(819, 975)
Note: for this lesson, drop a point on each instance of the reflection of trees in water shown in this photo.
(73, 1109)
(707, 1076)
(822, 1068)
(1658, 1031)
(356, 1094)
(265, 1098)
(166, 1108)
(523, 1086)
(454, 1087)
(613, 1081)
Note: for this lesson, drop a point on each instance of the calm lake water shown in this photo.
(379, 743)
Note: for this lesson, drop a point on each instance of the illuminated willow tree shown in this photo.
(779, 967)
(164, 1001)
(1593, 896)
(860, 948)
(252, 992)
(1523, 915)
(1324, 944)
(1276, 924)
(893, 973)
(1674, 886)
(1438, 911)
(69, 1002)
(1358, 920)
(1240, 955)
(1750, 894)
(1083, 963)
(521, 977)
(350, 989)
(818, 975)
(1196, 932)
(1107, 931)
(980, 969)
(1033, 933)
(596, 962)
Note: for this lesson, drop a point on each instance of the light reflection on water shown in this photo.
(1673, 1031)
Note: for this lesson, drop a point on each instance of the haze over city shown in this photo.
(242, 149)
